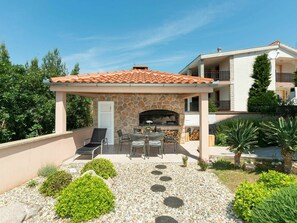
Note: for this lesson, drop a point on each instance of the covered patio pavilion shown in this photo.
(138, 89)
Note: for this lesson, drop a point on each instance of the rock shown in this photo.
(294, 168)
(72, 170)
(249, 167)
(18, 212)
(108, 182)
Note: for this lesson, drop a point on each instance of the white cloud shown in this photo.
(121, 52)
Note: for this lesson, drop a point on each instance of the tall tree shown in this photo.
(261, 75)
(27, 106)
(260, 99)
(78, 108)
(53, 65)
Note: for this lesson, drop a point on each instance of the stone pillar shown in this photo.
(203, 132)
(201, 68)
(272, 85)
(60, 124)
(189, 72)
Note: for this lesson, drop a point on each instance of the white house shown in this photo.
(233, 70)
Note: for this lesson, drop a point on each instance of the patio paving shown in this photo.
(188, 149)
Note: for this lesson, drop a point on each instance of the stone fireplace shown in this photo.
(160, 117)
(128, 107)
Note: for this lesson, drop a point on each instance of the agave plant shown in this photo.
(241, 137)
(284, 133)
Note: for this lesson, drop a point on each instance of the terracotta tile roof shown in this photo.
(274, 43)
(135, 76)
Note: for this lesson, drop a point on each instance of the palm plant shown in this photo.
(241, 137)
(284, 133)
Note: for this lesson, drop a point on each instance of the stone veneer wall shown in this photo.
(128, 106)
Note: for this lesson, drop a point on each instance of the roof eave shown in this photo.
(47, 82)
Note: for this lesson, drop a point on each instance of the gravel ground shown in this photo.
(189, 196)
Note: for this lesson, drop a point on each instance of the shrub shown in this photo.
(55, 183)
(32, 183)
(280, 207)
(47, 170)
(102, 167)
(203, 165)
(275, 180)
(185, 161)
(212, 107)
(85, 198)
(247, 196)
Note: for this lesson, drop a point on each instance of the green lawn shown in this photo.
(232, 178)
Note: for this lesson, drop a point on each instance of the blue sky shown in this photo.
(163, 34)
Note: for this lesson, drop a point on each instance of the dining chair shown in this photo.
(123, 138)
(156, 140)
(137, 141)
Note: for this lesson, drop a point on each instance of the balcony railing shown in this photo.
(218, 75)
(223, 105)
(284, 77)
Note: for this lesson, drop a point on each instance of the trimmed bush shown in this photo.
(247, 196)
(102, 167)
(84, 199)
(275, 180)
(47, 170)
(280, 207)
(55, 183)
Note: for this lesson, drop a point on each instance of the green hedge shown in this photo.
(102, 167)
(86, 198)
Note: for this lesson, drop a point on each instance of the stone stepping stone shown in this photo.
(162, 167)
(156, 172)
(173, 202)
(165, 219)
(158, 188)
(165, 178)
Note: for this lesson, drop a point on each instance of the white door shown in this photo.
(106, 119)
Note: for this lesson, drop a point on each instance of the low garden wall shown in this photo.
(20, 160)
(192, 118)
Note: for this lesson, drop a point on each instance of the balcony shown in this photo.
(223, 105)
(218, 75)
(284, 77)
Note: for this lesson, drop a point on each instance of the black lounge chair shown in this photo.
(97, 141)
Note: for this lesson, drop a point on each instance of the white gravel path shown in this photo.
(204, 198)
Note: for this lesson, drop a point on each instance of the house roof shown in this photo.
(135, 76)
(273, 46)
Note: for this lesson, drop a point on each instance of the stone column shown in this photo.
(60, 124)
(189, 72)
(203, 132)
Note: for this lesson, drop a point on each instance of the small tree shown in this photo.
(241, 137)
(284, 134)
